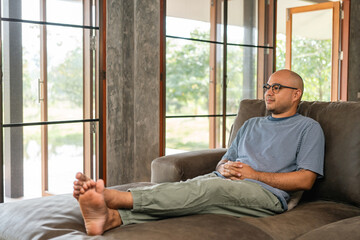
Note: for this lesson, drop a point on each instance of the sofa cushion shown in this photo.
(195, 227)
(344, 229)
(340, 122)
(247, 109)
(46, 218)
(302, 219)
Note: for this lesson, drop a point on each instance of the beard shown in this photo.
(278, 109)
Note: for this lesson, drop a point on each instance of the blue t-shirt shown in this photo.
(270, 144)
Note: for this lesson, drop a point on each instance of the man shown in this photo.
(270, 157)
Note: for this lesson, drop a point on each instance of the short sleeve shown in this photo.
(312, 149)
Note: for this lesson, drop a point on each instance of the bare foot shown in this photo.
(82, 184)
(97, 216)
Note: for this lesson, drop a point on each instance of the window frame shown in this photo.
(93, 77)
(266, 64)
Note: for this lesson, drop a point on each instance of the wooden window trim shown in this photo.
(102, 163)
(266, 37)
(345, 36)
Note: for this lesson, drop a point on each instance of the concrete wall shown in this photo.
(133, 40)
(354, 52)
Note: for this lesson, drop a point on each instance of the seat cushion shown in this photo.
(46, 218)
(344, 229)
(195, 227)
(303, 218)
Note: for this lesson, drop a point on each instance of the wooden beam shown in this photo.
(162, 80)
(345, 34)
(102, 92)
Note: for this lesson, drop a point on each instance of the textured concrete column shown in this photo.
(147, 88)
(132, 89)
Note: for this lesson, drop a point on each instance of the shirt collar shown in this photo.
(281, 119)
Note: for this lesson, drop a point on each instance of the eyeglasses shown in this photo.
(275, 88)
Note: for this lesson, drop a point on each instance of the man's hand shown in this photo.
(236, 170)
(291, 181)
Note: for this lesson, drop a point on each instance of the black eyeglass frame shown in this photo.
(268, 86)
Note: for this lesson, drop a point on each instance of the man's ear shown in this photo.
(297, 94)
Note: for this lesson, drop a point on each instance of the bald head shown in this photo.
(289, 78)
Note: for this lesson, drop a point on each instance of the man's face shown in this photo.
(282, 101)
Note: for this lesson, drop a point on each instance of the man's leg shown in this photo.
(208, 194)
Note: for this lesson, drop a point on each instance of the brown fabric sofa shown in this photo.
(331, 210)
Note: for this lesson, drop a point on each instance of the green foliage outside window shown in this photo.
(312, 60)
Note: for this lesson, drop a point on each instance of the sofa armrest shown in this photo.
(183, 166)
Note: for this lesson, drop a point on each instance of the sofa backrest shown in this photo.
(340, 122)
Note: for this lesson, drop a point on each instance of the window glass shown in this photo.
(24, 70)
(65, 154)
(312, 46)
(67, 12)
(24, 5)
(195, 69)
(186, 134)
(44, 75)
(187, 77)
(242, 22)
(65, 73)
(241, 72)
(32, 161)
(186, 17)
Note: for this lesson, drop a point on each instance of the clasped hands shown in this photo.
(237, 171)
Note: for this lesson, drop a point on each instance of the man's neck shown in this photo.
(271, 118)
(283, 115)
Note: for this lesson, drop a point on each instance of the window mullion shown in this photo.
(87, 89)
(44, 101)
(224, 74)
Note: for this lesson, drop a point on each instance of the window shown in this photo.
(311, 41)
(50, 92)
(217, 53)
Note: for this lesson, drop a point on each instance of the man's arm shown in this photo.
(291, 181)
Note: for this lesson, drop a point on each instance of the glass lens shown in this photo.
(275, 88)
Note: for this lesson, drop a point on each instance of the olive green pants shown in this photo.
(201, 195)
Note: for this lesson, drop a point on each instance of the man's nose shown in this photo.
(269, 92)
